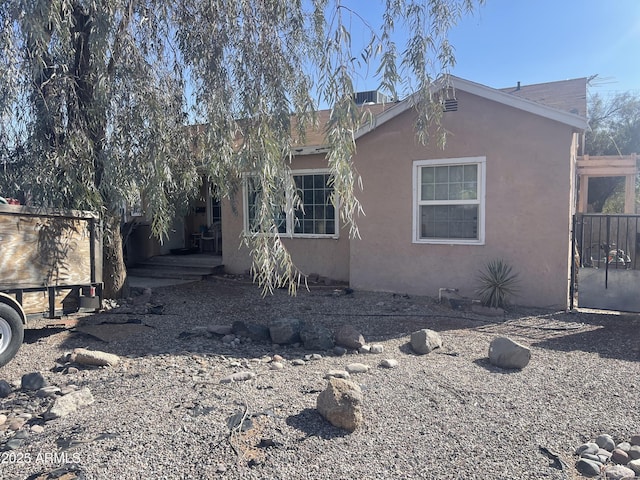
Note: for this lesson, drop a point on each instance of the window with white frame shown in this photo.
(449, 200)
(316, 215)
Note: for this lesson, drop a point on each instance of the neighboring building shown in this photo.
(502, 188)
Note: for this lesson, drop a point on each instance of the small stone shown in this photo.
(48, 391)
(337, 374)
(603, 455)
(590, 456)
(624, 446)
(228, 338)
(33, 381)
(588, 468)
(94, 358)
(377, 348)
(634, 452)
(339, 351)
(5, 389)
(618, 472)
(635, 439)
(316, 356)
(364, 349)
(238, 377)
(620, 457)
(590, 447)
(505, 353)
(298, 362)
(276, 366)
(347, 336)
(425, 340)
(13, 444)
(635, 466)
(277, 358)
(389, 363)
(357, 368)
(70, 403)
(16, 424)
(220, 329)
(3, 419)
(72, 370)
(341, 404)
(37, 428)
(606, 441)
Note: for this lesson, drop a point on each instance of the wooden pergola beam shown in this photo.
(608, 166)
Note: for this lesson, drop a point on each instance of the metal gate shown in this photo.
(606, 273)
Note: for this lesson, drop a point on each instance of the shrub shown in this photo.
(498, 283)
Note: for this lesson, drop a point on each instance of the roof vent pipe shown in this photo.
(518, 87)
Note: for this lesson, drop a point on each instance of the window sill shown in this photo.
(447, 241)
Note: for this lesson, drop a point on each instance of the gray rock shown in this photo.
(238, 377)
(590, 456)
(258, 333)
(377, 349)
(389, 363)
(357, 368)
(505, 353)
(48, 391)
(316, 337)
(69, 403)
(634, 452)
(348, 337)
(364, 349)
(635, 466)
(5, 389)
(603, 455)
(228, 338)
(424, 341)
(276, 366)
(620, 456)
(220, 329)
(37, 428)
(590, 448)
(13, 444)
(618, 472)
(588, 468)
(298, 362)
(341, 404)
(624, 446)
(339, 351)
(606, 441)
(285, 331)
(635, 439)
(337, 374)
(33, 381)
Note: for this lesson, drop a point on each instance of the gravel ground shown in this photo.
(161, 413)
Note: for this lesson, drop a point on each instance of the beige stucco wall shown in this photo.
(528, 209)
(327, 257)
(528, 201)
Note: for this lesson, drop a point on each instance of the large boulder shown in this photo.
(316, 337)
(348, 337)
(425, 341)
(285, 331)
(341, 404)
(257, 333)
(505, 353)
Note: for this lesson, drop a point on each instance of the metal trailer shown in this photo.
(50, 266)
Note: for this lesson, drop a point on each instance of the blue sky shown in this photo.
(535, 41)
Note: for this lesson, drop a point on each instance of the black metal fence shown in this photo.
(611, 241)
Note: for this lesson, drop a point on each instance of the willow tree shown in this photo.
(97, 99)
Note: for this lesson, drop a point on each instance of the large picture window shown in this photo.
(316, 215)
(449, 200)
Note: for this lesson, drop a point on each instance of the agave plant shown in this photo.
(498, 283)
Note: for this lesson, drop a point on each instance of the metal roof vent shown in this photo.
(451, 105)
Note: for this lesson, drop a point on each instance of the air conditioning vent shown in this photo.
(451, 105)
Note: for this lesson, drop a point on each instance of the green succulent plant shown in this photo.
(498, 283)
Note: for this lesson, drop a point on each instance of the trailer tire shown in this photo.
(11, 333)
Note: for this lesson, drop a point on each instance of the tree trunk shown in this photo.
(114, 269)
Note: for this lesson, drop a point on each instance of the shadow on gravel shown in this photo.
(311, 422)
(484, 363)
(35, 335)
(610, 336)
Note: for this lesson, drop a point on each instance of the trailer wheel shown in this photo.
(11, 333)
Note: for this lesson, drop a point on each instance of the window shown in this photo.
(449, 200)
(315, 218)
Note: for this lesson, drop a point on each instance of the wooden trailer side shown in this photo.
(44, 248)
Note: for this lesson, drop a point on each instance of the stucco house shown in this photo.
(502, 188)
